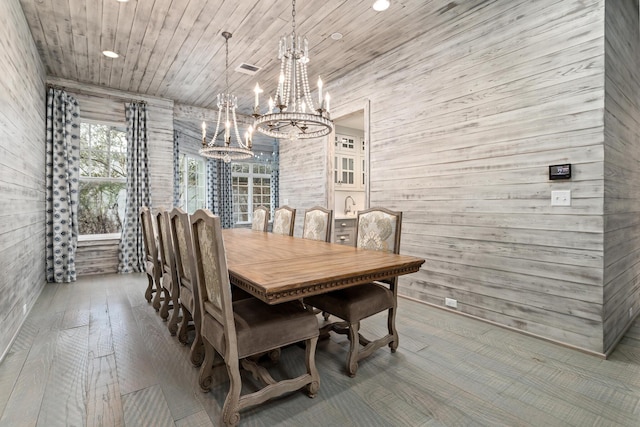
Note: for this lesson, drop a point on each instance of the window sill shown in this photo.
(98, 237)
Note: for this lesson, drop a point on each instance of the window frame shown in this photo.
(120, 126)
(251, 175)
(201, 185)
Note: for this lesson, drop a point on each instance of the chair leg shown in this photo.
(197, 350)
(148, 294)
(391, 324)
(157, 299)
(184, 325)
(206, 369)
(231, 410)
(274, 355)
(175, 317)
(354, 347)
(310, 361)
(164, 308)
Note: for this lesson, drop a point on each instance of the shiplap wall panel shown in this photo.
(97, 256)
(303, 176)
(103, 104)
(465, 121)
(621, 169)
(22, 180)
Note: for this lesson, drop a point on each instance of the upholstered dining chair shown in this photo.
(260, 220)
(151, 262)
(377, 229)
(182, 247)
(284, 219)
(317, 224)
(240, 329)
(170, 281)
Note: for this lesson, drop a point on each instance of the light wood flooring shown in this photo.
(95, 353)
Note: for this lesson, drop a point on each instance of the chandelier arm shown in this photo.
(235, 125)
(307, 94)
(217, 132)
(295, 125)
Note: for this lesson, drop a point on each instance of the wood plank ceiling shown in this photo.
(174, 48)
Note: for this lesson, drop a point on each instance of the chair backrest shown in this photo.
(379, 229)
(214, 287)
(149, 237)
(165, 243)
(185, 266)
(284, 219)
(260, 219)
(317, 224)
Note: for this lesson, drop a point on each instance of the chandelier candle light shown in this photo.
(292, 98)
(227, 104)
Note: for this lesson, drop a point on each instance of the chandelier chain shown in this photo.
(293, 20)
(226, 61)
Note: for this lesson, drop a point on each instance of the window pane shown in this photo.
(99, 164)
(101, 207)
(118, 164)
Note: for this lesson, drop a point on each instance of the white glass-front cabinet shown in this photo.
(349, 163)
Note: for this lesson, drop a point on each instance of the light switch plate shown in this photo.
(561, 198)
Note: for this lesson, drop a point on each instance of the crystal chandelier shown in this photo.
(296, 116)
(227, 104)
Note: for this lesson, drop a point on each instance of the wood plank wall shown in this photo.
(621, 169)
(22, 180)
(103, 104)
(465, 121)
(303, 176)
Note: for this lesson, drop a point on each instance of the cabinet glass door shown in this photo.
(348, 170)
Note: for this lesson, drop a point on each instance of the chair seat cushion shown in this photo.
(354, 303)
(262, 327)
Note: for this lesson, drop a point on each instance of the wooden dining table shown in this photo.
(277, 268)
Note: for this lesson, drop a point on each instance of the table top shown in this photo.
(278, 268)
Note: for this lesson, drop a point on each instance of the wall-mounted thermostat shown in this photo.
(560, 171)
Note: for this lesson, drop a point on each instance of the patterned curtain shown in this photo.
(212, 186)
(131, 250)
(275, 181)
(176, 168)
(62, 178)
(225, 194)
(219, 191)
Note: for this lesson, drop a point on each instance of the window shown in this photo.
(103, 178)
(251, 188)
(192, 183)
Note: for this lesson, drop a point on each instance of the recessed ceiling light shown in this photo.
(123, 1)
(381, 5)
(110, 54)
(336, 36)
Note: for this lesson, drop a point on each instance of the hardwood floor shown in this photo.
(95, 353)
